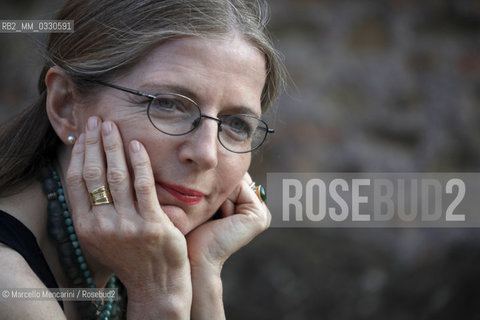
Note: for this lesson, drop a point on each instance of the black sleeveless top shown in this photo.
(17, 236)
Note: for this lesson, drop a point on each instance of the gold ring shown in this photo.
(100, 195)
(259, 191)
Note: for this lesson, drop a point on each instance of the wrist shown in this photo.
(157, 302)
(207, 300)
(169, 297)
(204, 266)
(167, 308)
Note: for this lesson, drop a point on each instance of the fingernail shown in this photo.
(135, 146)
(92, 123)
(81, 139)
(107, 127)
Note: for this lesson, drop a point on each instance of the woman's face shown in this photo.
(194, 174)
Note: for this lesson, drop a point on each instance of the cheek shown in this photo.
(137, 127)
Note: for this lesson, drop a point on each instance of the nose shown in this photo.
(201, 146)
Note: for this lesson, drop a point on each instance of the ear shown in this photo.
(61, 104)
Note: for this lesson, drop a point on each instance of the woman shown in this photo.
(131, 169)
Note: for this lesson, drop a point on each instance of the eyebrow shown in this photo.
(154, 89)
(173, 88)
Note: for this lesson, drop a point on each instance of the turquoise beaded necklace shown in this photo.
(60, 228)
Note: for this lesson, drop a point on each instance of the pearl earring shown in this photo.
(71, 140)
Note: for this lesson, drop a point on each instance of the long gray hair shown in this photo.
(109, 37)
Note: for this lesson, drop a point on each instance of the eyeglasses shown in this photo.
(176, 115)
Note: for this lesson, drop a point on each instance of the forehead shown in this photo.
(223, 71)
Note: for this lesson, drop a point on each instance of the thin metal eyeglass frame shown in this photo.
(219, 121)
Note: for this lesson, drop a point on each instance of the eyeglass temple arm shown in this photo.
(136, 92)
(269, 130)
(140, 93)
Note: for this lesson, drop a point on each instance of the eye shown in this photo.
(238, 124)
(167, 104)
(168, 109)
(238, 127)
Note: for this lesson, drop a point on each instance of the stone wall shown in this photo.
(379, 85)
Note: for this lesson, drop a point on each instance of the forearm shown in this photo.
(150, 305)
(168, 298)
(207, 301)
(171, 309)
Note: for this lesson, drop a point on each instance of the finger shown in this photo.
(264, 214)
(247, 178)
(247, 195)
(228, 207)
(249, 206)
(93, 166)
(236, 230)
(117, 172)
(77, 193)
(248, 203)
(243, 197)
(269, 216)
(144, 183)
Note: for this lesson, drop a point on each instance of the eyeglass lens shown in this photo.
(178, 115)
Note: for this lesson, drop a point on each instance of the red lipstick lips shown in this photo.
(186, 195)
